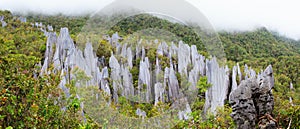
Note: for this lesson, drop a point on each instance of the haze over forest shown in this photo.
(229, 15)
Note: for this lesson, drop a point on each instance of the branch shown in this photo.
(290, 124)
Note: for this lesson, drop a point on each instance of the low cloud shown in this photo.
(230, 15)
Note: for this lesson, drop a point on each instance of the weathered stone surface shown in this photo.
(162, 85)
(129, 57)
(233, 77)
(244, 113)
(115, 37)
(140, 112)
(239, 73)
(144, 82)
(143, 53)
(22, 19)
(127, 88)
(183, 58)
(265, 101)
(104, 85)
(173, 84)
(249, 72)
(185, 114)
(69, 60)
(292, 89)
(160, 50)
(216, 95)
(2, 21)
(253, 99)
(115, 76)
(51, 41)
(138, 49)
(159, 90)
(198, 68)
(50, 28)
(39, 25)
(165, 49)
(173, 50)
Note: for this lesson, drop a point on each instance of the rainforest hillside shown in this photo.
(24, 97)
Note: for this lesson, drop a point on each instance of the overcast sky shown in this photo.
(278, 15)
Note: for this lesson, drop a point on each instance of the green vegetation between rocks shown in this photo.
(28, 102)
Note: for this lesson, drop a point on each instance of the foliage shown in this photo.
(25, 101)
(57, 21)
(221, 119)
(139, 22)
(286, 111)
(104, 49)
(260, 43)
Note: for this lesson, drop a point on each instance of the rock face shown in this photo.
(115, 76)
(234, 75)
(219, 78)
(253, 101)
(144, 86)
(2, 21)
(172, 83)
(183, 61)
(22, 19)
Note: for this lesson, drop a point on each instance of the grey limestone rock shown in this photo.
(183, 58)
(50, 28)
(2, 21)
(22, 19)
(144, 82)
(253, 99)
(128, 89)
(173, 84)
(239, 73)
(233, 78)
(141, 113)
(217, 93)
(244, 113)
(115, 76)
(159, 90)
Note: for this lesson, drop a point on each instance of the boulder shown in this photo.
(253, 101)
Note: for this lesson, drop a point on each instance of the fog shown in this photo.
(230, 15)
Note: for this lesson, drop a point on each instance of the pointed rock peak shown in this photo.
(88, 48)
(140, 113)
(50, 28)
(291, 86)
(22, 19)
(268, 75)
(64, 39)
(64, 32)
(115, 37)
(113, 62)
(269, 71)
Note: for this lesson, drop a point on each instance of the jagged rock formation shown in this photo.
(22, 19)
(2, 21)
(157, 84)
(140, 113)
(253, 101)
(233, 78)
(219, 78)
(290, 98)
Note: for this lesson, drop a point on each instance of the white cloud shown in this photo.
(280, 15)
